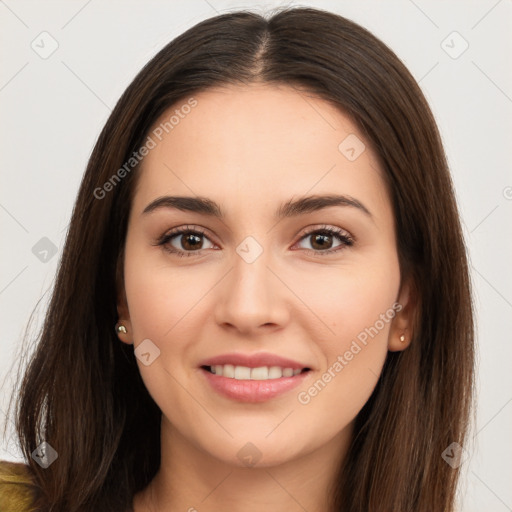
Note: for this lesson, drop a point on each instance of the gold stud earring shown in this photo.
(402, 338)
(121, 328)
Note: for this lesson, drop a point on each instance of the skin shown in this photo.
(251, 148)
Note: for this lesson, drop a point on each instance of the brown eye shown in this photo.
(184, 241)
(190, 241)
(322, 240)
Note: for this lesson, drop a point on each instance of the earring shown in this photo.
(121, 328)
(402, 338)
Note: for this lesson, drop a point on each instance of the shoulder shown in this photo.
(17, 487)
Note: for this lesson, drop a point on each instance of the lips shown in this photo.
(245, 384)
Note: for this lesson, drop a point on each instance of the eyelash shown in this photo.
(347, 241)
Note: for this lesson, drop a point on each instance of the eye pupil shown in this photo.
(188, 238)
(323, 237)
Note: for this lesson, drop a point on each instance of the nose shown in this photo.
(252, 297)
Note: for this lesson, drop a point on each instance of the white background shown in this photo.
(53, 109)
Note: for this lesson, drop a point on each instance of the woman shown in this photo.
(196, 354)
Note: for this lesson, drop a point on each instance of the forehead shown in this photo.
(257, 143)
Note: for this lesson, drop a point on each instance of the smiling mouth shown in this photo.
(245, 373)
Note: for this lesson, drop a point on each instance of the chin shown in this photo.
(250, 451)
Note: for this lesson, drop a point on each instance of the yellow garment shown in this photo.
(17, 490)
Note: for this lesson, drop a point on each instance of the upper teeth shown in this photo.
(246, 373)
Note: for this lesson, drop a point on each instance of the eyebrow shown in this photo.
(290, 208)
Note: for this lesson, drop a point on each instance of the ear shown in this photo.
(402, 327)
(123, 312)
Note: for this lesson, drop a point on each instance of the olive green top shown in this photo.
(17, 488)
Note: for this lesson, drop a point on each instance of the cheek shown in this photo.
(349, 299)
(154, 306)
(161, 305)
(358, 307)
(159, 298)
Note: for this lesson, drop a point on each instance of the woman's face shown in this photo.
(265, 279)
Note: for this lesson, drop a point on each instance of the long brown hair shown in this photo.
(82, 391)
